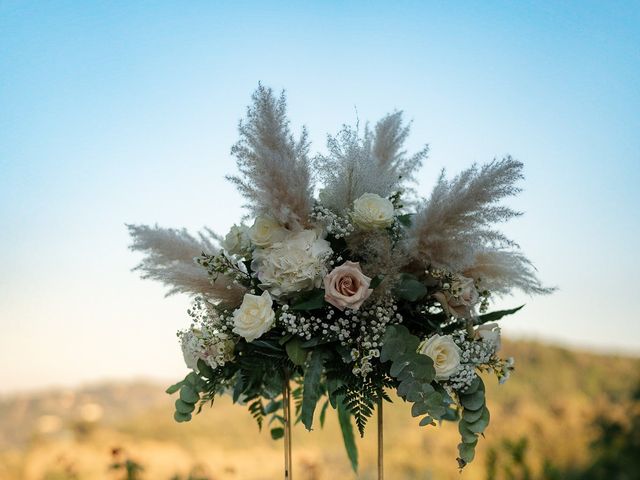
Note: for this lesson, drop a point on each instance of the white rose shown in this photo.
(371, 212)
(489, 333)
(237, 241)
(298, 263)
(460, 300)
(265, 231)
(444, 353)
(254, 317)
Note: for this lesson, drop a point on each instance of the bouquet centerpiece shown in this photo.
(336, 299)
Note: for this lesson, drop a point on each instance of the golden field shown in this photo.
(552, 400)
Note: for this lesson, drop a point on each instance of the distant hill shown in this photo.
(552, 400)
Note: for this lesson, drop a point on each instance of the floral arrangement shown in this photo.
(362, 290)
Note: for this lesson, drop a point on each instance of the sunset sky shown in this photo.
(124, 112)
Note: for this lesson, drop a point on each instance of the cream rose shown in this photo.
(265, 231)
(254, 317)
(371, 212)
(444, 353)
(489, 333)
(237, 241)
(460, 299)
(297, 263)
(346, 286)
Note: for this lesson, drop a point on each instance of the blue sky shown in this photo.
(114, 112)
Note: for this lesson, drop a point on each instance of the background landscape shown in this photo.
(565, 414)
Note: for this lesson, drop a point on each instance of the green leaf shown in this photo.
(471, 416)
(184, 407)
(174, 388)
(467, 435)
(311, 389)
(467, 452)
(238, 388)
(409, 288)
(313, 301)
(481, 423)
(393, 347)
(497, 315)
(399, 364)
(418, 409)
(188, 394)
(277, 433)
(204, 369)
(323, 412)
(272, 406)
(376, 281)
(347, 433)
(181, 417)
(427, 421)
(296, 353)
(473, 401)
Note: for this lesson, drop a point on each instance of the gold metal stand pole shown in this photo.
(380, 441)
(286, 407)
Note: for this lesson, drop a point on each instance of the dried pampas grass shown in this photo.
(457, 220)
(500, 271)
(275, 169)
(169, 259)
(372, 163)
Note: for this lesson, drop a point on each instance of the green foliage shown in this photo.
(497, 315)
(410, 288)
(344, 418)
(415, 374)
(312, 388)
(312, 301)
(474, 420)
(295, 352)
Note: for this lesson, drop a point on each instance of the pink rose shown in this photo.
(346, 286)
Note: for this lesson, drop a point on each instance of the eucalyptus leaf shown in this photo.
(174, 388)
(204, 369)
(427, 421)
(471, 416)
(480, 424)
(295, 352)
(467, 452)
(181, 417)
(184, 407)
(188, 394)
(473, 401)
(409, 288)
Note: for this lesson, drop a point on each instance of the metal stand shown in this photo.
(380, 441)
(286, 407)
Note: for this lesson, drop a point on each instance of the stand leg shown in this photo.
(286, 407)
(380, 442)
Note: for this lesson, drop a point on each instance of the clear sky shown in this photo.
(121, 111)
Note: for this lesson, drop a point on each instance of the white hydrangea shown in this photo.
(295, 264)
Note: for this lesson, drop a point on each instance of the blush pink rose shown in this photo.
(346, 286)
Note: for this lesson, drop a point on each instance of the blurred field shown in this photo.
(552, 399)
